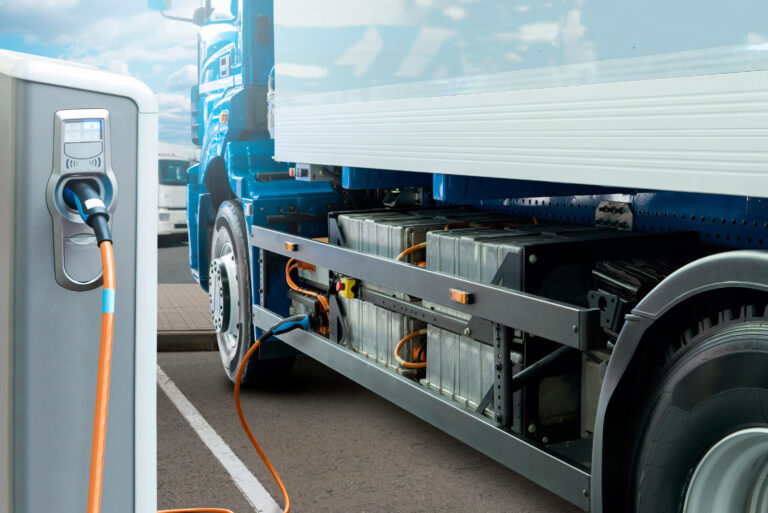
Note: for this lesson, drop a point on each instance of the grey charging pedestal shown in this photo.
(60, 121)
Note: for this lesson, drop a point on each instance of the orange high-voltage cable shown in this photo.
(290, 266)
(102, 397)
(398, 358)
(102, 380)
(408, 251)
(238, 379)
(81, 195)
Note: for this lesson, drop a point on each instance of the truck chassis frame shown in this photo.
(504, 308)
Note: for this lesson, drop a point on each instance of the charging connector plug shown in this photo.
(83, 196)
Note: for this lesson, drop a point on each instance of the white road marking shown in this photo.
(252, 489)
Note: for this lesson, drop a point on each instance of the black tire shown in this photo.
(714, 384)
(230, 231)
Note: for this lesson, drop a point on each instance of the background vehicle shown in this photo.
(552, 256)
(172, 162)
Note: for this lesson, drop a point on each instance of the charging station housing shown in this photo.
(60, 121)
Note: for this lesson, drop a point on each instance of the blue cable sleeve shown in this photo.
(71, 196)
(108, 301)
(291, 325)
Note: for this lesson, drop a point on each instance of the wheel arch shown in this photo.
(216, 182)
(215, 190)
(702, 287)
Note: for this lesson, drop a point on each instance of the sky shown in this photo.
(122, 36)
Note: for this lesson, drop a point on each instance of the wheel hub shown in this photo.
(733, 476)
(222, 291)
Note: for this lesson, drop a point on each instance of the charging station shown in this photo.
(59, 122)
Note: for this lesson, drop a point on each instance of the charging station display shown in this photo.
(82, 130)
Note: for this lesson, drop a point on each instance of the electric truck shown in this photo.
(539, 226)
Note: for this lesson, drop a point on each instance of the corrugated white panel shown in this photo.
(696, 134)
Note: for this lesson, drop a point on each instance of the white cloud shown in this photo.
(522, 8)
(569, 34)
(120, 36)
(575, 48)
(429, 41)
(174, 109)
(183, 78)
(300, 70)
(346, 13)
(455, 12)
(362, 53)
(118, 66)
(513, 57)
(754, 38)
(540, 32)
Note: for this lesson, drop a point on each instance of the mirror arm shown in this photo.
(176, 18)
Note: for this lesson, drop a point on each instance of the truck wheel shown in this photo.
(704, 448)
(229, 289)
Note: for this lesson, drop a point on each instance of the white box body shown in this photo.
(651, 95)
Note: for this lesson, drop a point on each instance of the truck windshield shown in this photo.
(173, 172)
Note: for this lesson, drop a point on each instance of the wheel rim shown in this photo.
(224, 297)
(732, 476)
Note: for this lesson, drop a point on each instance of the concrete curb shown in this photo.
(172, 341)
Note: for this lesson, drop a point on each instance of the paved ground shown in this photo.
(183, 312)
(173, 261)
(182, 307)
(337, 446)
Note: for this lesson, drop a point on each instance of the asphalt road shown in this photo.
(337, 446)
(173, 261)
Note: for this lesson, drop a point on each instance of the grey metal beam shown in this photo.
(567, 324)
(561, 478)
(414, 310)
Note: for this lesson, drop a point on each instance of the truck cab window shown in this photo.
(173, 172)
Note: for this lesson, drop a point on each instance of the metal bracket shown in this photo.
(339, 330)
(502, 396)
(616, 214)
(612, 309)
(481, 332)
(566, 324)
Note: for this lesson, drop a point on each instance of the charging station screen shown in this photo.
(82, 130)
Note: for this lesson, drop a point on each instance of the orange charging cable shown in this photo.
(410, 250)
(102, 380)
(102, 397)
(409, 365)
(244, 423)
(290, 266)
(247, 429)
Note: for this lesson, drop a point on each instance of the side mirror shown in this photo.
(199, 16)
(159, 5)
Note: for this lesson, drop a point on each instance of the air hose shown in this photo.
(83, 195)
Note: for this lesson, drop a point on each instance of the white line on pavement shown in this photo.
(252, 489)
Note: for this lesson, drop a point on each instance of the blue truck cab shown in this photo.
(237, 170)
